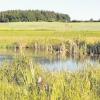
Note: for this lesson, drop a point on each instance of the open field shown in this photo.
(57, 26)
(45, 32)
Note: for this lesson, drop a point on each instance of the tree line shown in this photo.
(90, 20)
(32, 15)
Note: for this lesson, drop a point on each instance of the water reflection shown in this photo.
(54, 62)
(69, 63)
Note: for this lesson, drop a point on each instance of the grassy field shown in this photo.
(57, 26)
(47, 31)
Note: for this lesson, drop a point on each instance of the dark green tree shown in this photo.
(32, 15)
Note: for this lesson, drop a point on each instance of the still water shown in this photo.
(54, 62)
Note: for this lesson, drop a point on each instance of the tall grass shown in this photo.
(23, 80)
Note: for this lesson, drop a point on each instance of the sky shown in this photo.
(77, 9)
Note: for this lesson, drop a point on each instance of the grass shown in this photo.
(23, 80)
(57, 26)
(25, 33)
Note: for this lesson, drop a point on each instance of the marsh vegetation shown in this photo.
(24, 79)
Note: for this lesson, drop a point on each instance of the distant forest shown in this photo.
(32, 15)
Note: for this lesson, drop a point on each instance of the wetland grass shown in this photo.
(23, 80)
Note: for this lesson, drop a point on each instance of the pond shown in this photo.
(54, 62)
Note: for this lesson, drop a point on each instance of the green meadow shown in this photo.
(46, 32)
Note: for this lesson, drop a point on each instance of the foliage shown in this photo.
(32, 15)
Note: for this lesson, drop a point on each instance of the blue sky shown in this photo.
(77, 9)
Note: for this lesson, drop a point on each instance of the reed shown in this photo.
(23, 80)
